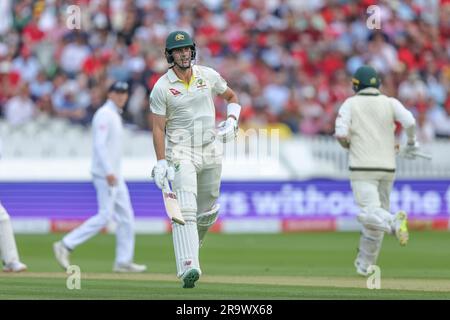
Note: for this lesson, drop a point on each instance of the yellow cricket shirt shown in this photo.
(189, 108)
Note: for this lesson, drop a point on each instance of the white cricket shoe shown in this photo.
(361, 268)
(61, 254)
(15, 266)
(130, 267)
(189, 277)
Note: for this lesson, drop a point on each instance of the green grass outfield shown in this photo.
(250, 266)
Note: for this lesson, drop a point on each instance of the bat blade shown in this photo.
(172, 208)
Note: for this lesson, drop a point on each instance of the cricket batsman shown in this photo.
(8, 247)
(365, 126)
(185, 142)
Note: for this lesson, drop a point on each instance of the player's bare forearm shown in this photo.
(230, 96)
(159, 125)
(158, 142)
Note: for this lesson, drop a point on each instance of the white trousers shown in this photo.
(8, 248)
(373, 198)
(113, 202)
(197, 185)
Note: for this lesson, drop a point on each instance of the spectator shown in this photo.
(26, 65)
(277, 94)
(269, 50)
(9, 81)
(74, 54)
(41, 86)
(383, 55)
(71, 101)
(7, 19)
(425, 130)
(20, 109)
(413, 90)
(311, 112)
(22, 14)
(440, 118)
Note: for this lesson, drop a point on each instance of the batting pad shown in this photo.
(376, 219)
(185, 244)
(188, 205)
(369, 246)
(205, 220)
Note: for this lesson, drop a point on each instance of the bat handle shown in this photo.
(166, 185)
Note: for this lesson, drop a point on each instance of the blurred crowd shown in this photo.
(289, 61)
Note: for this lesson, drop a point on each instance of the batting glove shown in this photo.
(162, 172)
(410, 151)
(227, 130)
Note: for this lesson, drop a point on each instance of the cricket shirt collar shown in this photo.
(112, 106)
(369, 92)
(172, 76)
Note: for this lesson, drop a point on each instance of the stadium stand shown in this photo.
(289, 61)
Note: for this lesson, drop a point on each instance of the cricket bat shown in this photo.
(423, 155)
(171, 203)
(417, 154)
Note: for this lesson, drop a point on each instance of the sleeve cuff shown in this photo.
(234, 109)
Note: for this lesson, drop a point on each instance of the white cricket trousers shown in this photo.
(372, 196)
(113, 202)
(8, 248)
(197, 185)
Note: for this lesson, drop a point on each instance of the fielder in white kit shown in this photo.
(112, 193)
(365, 125)
(8, 247)
(184, 134)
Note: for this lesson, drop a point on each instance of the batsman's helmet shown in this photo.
(178, 39)
(365, 77)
